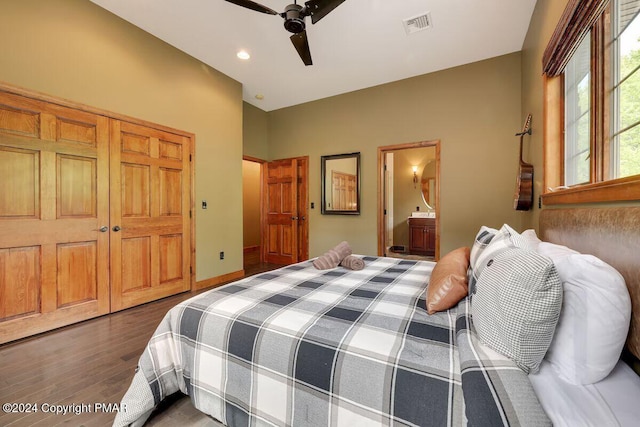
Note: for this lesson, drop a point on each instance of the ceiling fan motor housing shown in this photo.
(294, 18)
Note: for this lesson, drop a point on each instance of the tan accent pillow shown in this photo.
(448, 283)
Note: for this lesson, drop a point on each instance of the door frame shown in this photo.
(382, 151)
(387, 192)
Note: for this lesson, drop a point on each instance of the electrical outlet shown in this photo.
(204, 204)
(221, 254)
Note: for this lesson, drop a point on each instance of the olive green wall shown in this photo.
(255, 132)
(76, 50)
(474, 110)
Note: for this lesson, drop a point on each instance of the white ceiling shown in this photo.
(362, 43)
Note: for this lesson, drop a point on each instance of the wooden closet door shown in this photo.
(54, 177)
(150, 217)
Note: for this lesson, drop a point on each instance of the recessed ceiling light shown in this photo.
(243, 54)
(260, 96)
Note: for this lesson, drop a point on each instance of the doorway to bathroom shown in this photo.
(409, 200)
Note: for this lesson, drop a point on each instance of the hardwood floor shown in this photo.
(86, 364)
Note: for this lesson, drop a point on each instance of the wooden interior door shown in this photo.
(54, 198)
(281, 211)
(150, 214)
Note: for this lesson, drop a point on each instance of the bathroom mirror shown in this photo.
(340, 178)
(428, 185)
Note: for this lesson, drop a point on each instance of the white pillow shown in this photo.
(531, 237)
(595, 316)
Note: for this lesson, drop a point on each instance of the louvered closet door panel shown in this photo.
(150, 202)
(54, 177)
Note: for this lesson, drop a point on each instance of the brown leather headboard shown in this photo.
(611, 234)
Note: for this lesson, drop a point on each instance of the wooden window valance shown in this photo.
(577, 19)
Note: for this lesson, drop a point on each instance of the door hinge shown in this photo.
(190, 270)
(189, 213)
(385, 211)
(189, 157)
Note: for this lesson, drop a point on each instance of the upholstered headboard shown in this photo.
(611, 234)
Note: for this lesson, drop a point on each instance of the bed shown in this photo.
(301, 346)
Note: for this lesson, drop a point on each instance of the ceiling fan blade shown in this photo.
(318, 9)
(302, 46)
(254, 6)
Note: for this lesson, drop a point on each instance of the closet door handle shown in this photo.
(103, 229)
(116, 228)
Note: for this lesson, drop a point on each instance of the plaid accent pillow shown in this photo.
(488, 243)
(480, 243)
(517, 304)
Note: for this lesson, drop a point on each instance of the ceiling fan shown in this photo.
(294, 16)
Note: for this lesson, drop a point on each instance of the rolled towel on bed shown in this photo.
(352, 262)
(332, 257)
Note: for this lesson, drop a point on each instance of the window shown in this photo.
(625, 155)
(592, 103)
(577, 114)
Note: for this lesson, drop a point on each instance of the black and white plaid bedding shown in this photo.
(304, 347)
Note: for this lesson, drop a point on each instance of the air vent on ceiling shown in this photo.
(417, 23)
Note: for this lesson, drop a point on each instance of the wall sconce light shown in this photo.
(415, 176)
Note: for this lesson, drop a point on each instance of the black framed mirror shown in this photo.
(340, 180)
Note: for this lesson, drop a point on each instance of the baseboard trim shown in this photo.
(218, 280)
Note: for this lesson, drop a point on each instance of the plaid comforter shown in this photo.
(304, 347)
